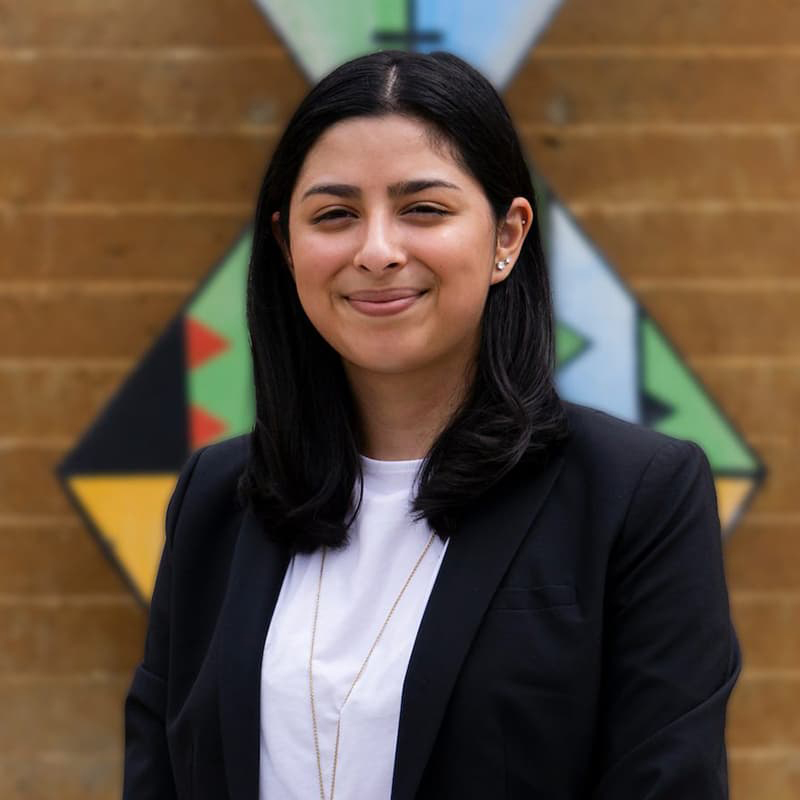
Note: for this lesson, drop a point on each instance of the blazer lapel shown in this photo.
(473, 566)
(255, 580)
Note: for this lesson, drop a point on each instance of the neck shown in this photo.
(402, 415)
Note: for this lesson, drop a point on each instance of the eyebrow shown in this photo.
(395, 190)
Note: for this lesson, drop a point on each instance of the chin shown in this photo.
(385, 362)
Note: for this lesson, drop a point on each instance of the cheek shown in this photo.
(316, 268)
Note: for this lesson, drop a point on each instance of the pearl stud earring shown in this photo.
(501, 265)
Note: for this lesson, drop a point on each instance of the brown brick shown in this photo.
(66, 776)
(27, 169)
(28, 484)
(669, 22)
(763, 557)
(196, 91)
(552, 89)
(656, 168)
(780, 493)
(122, 245)
(55, 399)
(23, 244)
(66, 638)
(679, 243)
(757, 777)
(762, 398)
(724, 321)
(63, 322)
(129, 168)
(768, 630)
(54, 558)
(83, 717)
(763, 713)
(146, 23)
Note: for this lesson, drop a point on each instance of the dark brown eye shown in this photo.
(336, 213)
(423, 209)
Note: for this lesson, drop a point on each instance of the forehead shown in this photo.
(378, 148)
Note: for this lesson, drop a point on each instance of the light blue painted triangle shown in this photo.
(323, 34)
(590, 299)
(494, 37)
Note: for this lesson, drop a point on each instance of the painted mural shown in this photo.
(195, 384)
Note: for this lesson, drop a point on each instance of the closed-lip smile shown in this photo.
(383, 302)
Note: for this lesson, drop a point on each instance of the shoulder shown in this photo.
(220, 464)
(595, 434)
(207, 485)
(608, 452)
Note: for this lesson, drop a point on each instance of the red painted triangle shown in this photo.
(202, 344)
(204, 427)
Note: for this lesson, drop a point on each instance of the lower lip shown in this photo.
(385, 309)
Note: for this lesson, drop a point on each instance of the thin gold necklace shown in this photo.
(358, 674)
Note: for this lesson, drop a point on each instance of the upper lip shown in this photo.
(383, 295)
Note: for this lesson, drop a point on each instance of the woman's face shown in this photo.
(393, 246)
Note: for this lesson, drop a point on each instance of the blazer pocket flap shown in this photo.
(533, 597)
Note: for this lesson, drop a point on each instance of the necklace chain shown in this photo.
(360, 672)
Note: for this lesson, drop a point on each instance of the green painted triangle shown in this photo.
(322, 34)
(223, 386)
(694, 415)
(569, 344)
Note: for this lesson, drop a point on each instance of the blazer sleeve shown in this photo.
(671, 656)
(147, 768)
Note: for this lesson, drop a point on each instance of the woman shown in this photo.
(423, 575)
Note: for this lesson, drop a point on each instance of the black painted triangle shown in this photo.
(144, 428)
(654, 410)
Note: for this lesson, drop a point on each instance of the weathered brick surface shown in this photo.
(768, 630)
(761, 398)
(620, 23)
(123, 168)
(669, 168)
(68, 637)
(146, 23)
(680, 243)
(54, 398)
(81, 716)
(773, 775)
(726, 320)
(65, 776)
(763, 714)
(648, 90)
(84, 321)
(54, 558)
(110, 244)
(781, 487)
(205, 91)
(764, 556)
(28, 484)
(134, 138)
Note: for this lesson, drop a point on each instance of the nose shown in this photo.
(379, 249)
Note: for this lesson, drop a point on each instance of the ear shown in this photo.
(278, 234)
(511, 233)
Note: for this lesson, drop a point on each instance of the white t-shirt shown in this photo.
(359, 586)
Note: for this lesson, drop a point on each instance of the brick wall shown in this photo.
(672, 130)
(133, 135)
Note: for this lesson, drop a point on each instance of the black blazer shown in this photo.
(577, 642)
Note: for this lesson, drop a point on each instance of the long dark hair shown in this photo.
(303, 469)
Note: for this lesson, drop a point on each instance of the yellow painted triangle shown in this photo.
(129, 511)
(731, 494)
